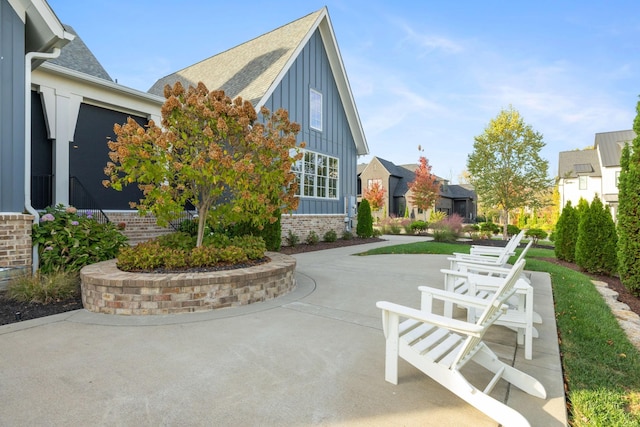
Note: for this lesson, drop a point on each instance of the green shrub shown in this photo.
(444, 235)
(178, 240)
(566, 234)
(189, 226)
(312, 238)
(292, 239)
(419, 226)
(272, 234)
(488, 229)
(471, 230)
(254, 247)
(395, 228)
(365, 220)
(68, 241)
(347, 235)
(512, 230)
(377, 232)
(204, 256)
(44, 288)
(219, 248)
(628, 218)
(597, 240)
(330, 236)
(535, 234)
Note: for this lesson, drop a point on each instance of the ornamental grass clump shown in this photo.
(44, 288)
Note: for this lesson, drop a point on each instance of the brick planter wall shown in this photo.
(15, 240)
(105, 289)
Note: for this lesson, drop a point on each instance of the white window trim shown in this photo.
(301, 174)
(315, 110)
(582, 178)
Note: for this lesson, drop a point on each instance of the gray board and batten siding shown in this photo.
(12, 104)
(311, 70)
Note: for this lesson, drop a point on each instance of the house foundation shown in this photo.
(15, 246)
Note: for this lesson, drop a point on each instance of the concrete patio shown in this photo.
(312, 357)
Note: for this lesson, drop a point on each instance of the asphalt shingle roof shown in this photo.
(610, 145)
(583, 162)
(247, 70)
(77, 56)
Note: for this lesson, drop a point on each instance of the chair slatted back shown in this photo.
(491, 313)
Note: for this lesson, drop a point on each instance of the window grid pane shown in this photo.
(317, 175)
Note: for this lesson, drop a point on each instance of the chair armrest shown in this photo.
(454, 297)
(465, 328)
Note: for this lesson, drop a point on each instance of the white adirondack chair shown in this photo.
(510, 247)
(499, 257)
(520, 315)
(440, 347)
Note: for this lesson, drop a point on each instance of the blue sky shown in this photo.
(429, 73)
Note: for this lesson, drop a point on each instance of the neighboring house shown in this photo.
(298, 67)
(585, 173)
(395, 180)
(72, 105)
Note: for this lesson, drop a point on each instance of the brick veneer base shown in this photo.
(303, 224)
(105, 289)
(15, 240)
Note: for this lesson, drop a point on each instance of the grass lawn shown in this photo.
(601, 366)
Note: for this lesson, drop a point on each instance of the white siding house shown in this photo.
(587, 173)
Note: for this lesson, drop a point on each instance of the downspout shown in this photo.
(27, 143)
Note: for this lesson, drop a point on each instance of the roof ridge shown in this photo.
(244, 43)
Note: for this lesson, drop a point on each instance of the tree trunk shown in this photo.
(505, 227)
(203, 212)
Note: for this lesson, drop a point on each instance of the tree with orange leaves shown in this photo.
(375, 195)
(425, 189)
(212, 152)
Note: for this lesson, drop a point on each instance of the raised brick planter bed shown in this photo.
(105, 289)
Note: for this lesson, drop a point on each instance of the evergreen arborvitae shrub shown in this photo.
(272, 234)
(365, 220)
(628, 217)
(566, 234)
(597, 240)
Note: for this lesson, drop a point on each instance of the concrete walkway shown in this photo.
(312, 357)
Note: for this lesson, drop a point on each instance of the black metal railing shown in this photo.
(184, 216)
(82, 200)
(41, 191)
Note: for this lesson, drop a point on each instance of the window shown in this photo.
(317, 175)
(315, 109)
(582, 185)
(370, 183)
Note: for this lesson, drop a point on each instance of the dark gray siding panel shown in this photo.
(311, 70)
(89, 154)
(11, 110)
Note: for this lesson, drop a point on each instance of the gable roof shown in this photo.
(254, 69)
(77, 56)
(407, 174)
(610, 144)
(578, 162)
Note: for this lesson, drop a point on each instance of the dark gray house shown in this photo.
(298, 67)
(57, 114)
(459, 199)
(29, 34)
